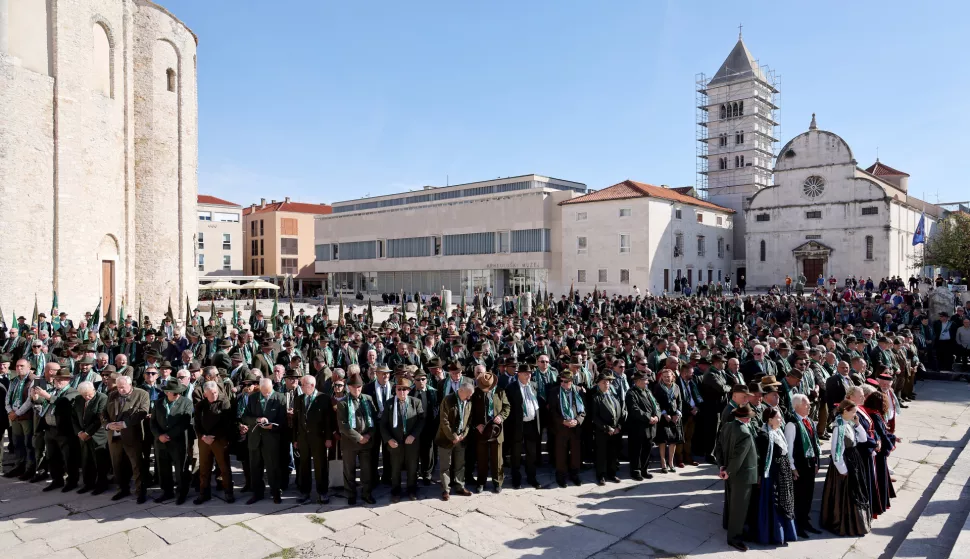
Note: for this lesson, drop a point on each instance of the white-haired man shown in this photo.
(92, 437)
(803, 457)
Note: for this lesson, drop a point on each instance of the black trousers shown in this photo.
(264, 456)
(569, 452)
(313, 459)
(168, 457)
(944, 354)
(640, 447)
(524, 439)
(427, 455)
(95, 462)
(404, 458)
(379, 453)
(804, 489)
(63, 456)
(607, 454)
(352, 453)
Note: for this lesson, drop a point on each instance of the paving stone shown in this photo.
(448, 551)
(288, 530)
(565, 542)
(227, 515)
(619, 517)
(9, 539)
(415, 546)
(40, 516)
(235, 542)
(346, 518)
(179, 528)
(122, 545)
(626, 549)
(666, 535)
(483, 535)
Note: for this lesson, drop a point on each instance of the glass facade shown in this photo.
(498, 282)
(433, 196)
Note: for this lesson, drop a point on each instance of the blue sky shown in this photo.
(324, 101)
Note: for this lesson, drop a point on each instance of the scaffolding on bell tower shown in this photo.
(725, 134)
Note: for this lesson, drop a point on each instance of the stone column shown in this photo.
(4, 24)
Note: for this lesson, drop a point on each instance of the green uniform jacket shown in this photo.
(88, 418)
(604, 415)
(737, 453)
(175, 423)
(451, 424)
(313, 422)
(352, 435)
(275, 412)
(500, 408)
(412, 425)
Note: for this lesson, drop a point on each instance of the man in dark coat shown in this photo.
(60, 438)
(428, 397)
(456, 411)
(522, 426)
(567, 411)
(93, 439)
(265, 418)
(170, 425)
(357, 417)
(738, 460)
(124, 417)
(608, 416)
(490, 409)
(214, 423)
(643, 413)
(311, 430)
(401, 428)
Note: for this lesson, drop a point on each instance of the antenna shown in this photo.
(877, 154)
(447, 180)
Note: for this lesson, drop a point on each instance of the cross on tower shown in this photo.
(739, 30)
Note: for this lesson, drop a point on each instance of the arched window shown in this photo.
(737, 161)
(763, 251)
(741, 108)
(742, 161)
(170, 79)
(869, 247)
(734, 109)
(101, 55)
(723, 112)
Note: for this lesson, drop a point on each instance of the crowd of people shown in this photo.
(756, 385)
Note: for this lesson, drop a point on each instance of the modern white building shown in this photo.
(736, 123)
(826, 215)
(499, 235)
(635, 234)
(219, 240)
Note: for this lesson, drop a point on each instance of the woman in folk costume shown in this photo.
(776, 495)
(670, 430)
(845, 500)
(876, 406)
(866, 449)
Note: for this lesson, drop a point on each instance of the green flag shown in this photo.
(140, 315)
(292, 313)
(169, 314)
(2, 321)
(404, 307)
(96, 316)
(109, 316)
(53, 305)
(121, 314)
(340, 310)
(252, 312)
(188, 311)
(34, 319)
(212, 306)
(326, 303)
(235, 314)
(370, 313)
(417, 300)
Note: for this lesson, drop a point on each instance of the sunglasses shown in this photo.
(403, 389)
(338, 386)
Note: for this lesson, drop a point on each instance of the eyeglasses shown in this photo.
(402, 389)
(338, 386)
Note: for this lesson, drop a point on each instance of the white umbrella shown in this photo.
(221, 284)
(259, 284)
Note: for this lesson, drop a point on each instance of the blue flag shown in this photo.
(919, 236)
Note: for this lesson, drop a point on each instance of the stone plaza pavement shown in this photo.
(668, 516)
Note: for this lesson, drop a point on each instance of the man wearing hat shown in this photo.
(523, 425)
(789, 387)
(221, 359)
(490, 409)
(20, 413)
(643, 414)
(715, 389)
(265, 359)
(381, 391)
(428, 397)
(84, 372)
(265, 418)
(93, 439)
(608, 416)
(37, 358)
(123, 418)
(401, 428)
(737, 457)
(170, 423)
(357, 418)
(60, 439)
(311, 438)
(456, 411)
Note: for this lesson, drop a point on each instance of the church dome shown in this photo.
(812, 148)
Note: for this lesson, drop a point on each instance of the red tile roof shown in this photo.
(683, 190)
(882, 170)
(632, 189)
(206, 199)
(294, 207)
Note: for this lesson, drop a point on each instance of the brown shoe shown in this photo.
(680, 465)
(463, 492)
(445, 496)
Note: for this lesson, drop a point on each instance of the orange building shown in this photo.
(278, 241)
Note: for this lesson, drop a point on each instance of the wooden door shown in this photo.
(107, 285)
(667, 279)
(812, 268)
(690, 276)
(710, 276)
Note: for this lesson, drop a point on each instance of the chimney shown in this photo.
(287, 199)
(262, 202)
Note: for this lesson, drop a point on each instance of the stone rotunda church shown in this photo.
(98, 155)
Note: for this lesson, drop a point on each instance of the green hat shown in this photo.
(173, 385)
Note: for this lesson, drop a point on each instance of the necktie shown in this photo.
(808, 425)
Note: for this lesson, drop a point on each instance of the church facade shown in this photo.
(824, 215)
